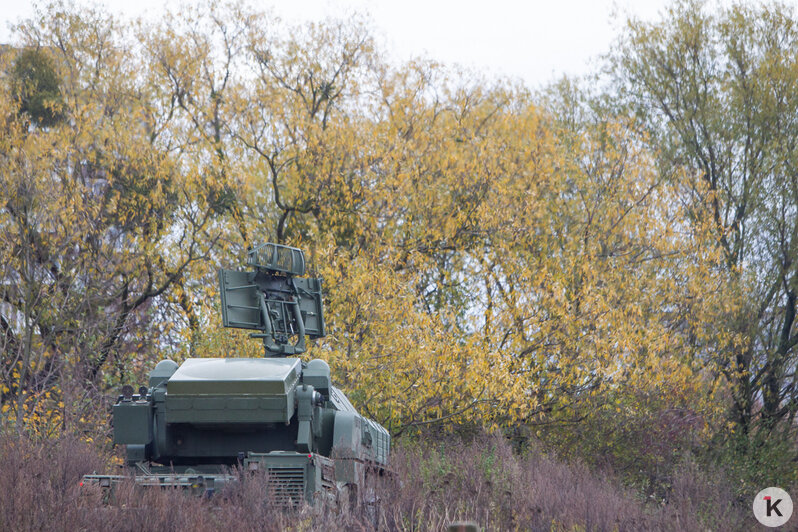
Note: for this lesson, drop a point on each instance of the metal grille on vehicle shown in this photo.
(287, 485)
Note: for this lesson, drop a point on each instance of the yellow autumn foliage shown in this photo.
(484, 261)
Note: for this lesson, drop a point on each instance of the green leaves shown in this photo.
(712, 87)
(36, 87)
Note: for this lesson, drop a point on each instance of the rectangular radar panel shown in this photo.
(310, 304)
(242, 292)
(240, 304)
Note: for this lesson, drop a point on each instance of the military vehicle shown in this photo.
(191, 423)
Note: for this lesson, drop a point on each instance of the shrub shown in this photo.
(433, 483)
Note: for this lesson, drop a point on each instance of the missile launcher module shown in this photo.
(193, 422)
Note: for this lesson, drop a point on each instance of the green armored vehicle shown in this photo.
(192, 422)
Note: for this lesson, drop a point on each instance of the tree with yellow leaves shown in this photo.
(488, 258)
(99, 215)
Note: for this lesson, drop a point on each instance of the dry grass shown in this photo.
(434, 484)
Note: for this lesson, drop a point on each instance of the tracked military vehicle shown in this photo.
(191, 423)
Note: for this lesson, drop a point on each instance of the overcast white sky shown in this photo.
(534, 40)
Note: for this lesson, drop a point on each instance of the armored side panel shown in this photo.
(132, 423)
(232, 390)
(376, 441)
(240, 305)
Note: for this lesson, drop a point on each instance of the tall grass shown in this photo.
(433, 484)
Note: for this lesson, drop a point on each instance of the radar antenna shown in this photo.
(273, 298)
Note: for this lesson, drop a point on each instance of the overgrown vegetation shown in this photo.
(434, 484)
(606, 267)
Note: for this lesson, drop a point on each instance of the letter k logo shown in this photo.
(772, 506)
